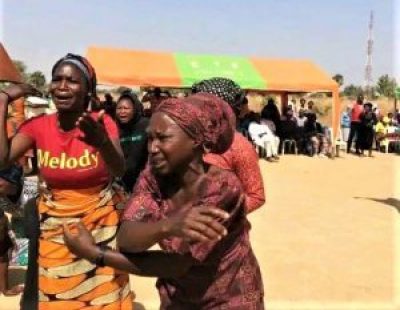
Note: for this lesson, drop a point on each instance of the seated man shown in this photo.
(316, 139)
(10, 190)
(288, 127)
(264, 138)
(301, 119)
(381, 131)
(393, 135)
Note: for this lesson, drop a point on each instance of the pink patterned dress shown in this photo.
(227, 275)
(242, 159)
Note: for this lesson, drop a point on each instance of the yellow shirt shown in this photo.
(381, 128)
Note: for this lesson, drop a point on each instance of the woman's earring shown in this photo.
(90, 105)
(206, 149)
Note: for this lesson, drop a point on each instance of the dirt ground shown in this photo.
(327, 238)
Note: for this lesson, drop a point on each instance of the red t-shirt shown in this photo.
(65, 161)
(356, 112)
(242, 159)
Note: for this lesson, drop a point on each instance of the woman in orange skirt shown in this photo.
(78, 155)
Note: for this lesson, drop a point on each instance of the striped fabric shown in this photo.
(65, 281)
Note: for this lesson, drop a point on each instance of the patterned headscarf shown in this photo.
(205, 118)
(224, 88)
(84, 66)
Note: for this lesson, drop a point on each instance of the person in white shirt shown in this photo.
(301, 119)
(263, 137)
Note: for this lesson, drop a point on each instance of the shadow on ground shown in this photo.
(16, 275)
(393, 202)
(138, 306)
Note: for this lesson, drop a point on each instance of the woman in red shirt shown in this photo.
(356, 111)
(241, 158)
(78, 154)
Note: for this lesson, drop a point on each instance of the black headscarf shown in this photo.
(137, 108)
(225, 89)
(133, 138)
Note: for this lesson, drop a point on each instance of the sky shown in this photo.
(333, 34)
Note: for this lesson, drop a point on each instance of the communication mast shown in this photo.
(368, 66)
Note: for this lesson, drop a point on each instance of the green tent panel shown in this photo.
(194, 68)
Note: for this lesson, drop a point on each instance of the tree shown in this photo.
(37, 79)
(386, 86)
(121, 89)
(339, 79)
(353, 90)
(21, 67)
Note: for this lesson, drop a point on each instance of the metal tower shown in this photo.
(368, 66)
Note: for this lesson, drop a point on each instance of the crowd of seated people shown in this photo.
(274, 133)
(297, 129)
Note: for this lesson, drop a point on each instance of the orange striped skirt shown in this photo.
(67, 282)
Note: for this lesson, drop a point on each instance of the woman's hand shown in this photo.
(81, 244)
(94, 131)
(199, 224)
(19, 90)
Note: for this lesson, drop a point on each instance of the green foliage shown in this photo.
(38, 80)
(386, 86)
(21, 67)
(397, 92)
(4, 85)
(353, 91)
(339, 79)
(35, 78)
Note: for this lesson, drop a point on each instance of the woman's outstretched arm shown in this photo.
(200, 224)
(147, 264)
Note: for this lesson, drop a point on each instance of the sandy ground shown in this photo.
(327, 237)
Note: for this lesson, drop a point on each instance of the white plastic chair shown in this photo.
(338, 144)
(291, 144)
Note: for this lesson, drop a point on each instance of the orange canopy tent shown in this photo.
(8, 72)
(143, 68)
(300, 76)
